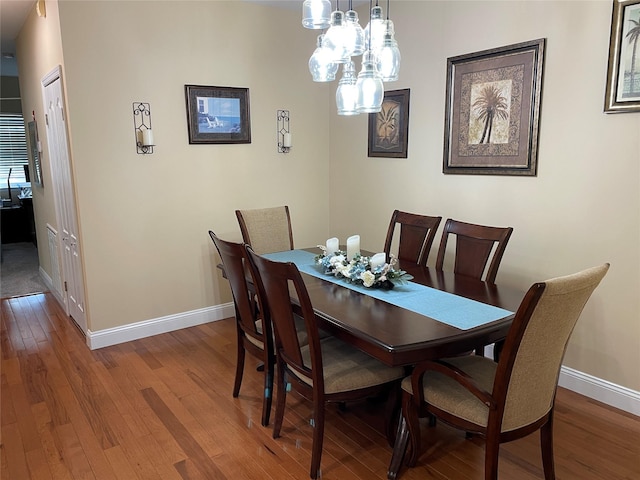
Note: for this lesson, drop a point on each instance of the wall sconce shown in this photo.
(142, 127)
(284, 134)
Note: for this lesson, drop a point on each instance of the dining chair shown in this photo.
(254, 332)
(324, 370)
(415, 237)
(267, 230)
(473, 248)
(509, 399)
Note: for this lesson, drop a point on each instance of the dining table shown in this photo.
(436, 314)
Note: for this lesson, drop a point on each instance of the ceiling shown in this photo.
(12, 15)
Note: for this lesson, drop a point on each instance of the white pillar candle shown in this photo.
(147, 137)
(353, 246)
(333, 245)
(378, 260)
(286, 140)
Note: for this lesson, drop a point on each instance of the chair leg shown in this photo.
(239, 365)
(268, 393)
(492, 449)
(318, 437)
(281, 400)
(546, 444)
(399, 449)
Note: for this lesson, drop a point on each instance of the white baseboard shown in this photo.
(593, 387)
(601, 390)
(147, 328)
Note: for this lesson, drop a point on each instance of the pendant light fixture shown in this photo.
(347, 93)
(316, 14)
(344, 39)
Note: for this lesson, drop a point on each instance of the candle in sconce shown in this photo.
(286, 140)
(333, 245)
(378, 260)
(147, 137)
(353, 246)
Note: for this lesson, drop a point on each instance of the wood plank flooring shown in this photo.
(161, 408)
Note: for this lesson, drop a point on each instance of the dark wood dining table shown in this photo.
(398, 336)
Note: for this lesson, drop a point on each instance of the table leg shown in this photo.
(399, 448)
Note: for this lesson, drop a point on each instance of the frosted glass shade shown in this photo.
(347, 92)
(369, 86)
(354, 33)
(316, 14)
(336, 38)
(375, 30)
(388, 60)
(321, 64)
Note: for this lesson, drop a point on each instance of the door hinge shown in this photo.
(46, 119)
(65, 286)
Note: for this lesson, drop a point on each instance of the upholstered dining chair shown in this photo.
(510, 399)
(254, 333)
(267, 230)
(415, 236)
(325, 370)
(473, 247)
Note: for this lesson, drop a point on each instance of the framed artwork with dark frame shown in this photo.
(623, 73)
(218, 114)
(389, 128)
(492, 111)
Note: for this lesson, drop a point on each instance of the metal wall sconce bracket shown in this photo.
(284, 134)
(142, 127)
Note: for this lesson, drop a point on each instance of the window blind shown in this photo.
(13, 148)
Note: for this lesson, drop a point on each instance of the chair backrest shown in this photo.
(416, 236)
(474, 244)
(236, 267)
(527, 374)
(275, 283)
(267, 230)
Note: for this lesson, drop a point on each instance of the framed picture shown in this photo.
(623, 74)
(389, 128)
(218, 114)
(34, 160)
(492, 111)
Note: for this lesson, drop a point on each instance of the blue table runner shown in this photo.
(456, 311)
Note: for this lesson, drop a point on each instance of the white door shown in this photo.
(72, 279)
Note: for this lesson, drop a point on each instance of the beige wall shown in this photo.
(144, 218)
(583, 207)
(39, 51)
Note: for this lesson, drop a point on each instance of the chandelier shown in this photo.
(343, 38)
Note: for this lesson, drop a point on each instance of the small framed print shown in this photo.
(623, 74)
(492, 111)
(218, 114)
(389, 128)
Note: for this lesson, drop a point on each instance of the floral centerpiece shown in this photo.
(360, 270)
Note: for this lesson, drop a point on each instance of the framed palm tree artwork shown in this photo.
(623, 75)
(389, 128)
(492, 110)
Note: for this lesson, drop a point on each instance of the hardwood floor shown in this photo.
(161, 408)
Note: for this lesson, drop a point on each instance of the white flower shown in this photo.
(368, 278)
(336, 260)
